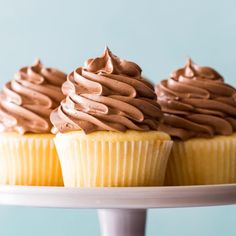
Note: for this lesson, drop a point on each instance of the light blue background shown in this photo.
(159, 36)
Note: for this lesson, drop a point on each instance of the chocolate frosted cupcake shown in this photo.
(27, 152)
(200, 115)
(107, 126)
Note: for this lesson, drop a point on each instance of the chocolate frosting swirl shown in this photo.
(27, 101)
(197, 103)
(108, 93)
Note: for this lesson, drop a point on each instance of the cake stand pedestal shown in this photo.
(125, 222)
(122, 211)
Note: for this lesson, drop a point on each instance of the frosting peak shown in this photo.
(110, 64)
(27, 101)
(197, 103)
(192, 70)
(108, 93)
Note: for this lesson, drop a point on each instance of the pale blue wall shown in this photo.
(158, 35)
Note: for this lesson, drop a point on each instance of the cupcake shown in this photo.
(27, 152)
(200, 115)
(107, 127)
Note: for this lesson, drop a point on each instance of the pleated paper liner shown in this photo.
(202, 161)
(30, 159)
(112, 159)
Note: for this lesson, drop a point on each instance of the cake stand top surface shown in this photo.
(122, 198)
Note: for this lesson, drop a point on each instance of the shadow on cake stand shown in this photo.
(122, 211)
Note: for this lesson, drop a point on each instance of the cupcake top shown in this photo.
(197, 103)
(27, 101)
(107, 93)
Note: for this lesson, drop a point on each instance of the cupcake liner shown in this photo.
(29, 160)
(202, 161)
(112, 162)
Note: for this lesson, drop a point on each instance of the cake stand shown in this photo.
(122, 211)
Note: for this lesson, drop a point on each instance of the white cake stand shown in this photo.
(122, 211)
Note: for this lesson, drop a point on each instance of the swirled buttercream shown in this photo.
(27, 101)
(107, 93)
(196, 102)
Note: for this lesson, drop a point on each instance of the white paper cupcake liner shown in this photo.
(104, 163)
(202, 161)
(29, 161)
